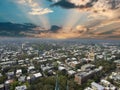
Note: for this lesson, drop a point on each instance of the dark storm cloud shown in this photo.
(15, 29)
(54, 28)
(64, 4)
(97, 6)
(68, 5)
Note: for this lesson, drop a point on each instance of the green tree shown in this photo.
(2, 79)
(13, 85)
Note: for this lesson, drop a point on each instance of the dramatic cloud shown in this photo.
(97, 4)
(36, 9)
(83, 3)
(102, 19)
(64, 4)
(63, 33)
(59, 35)
(104, 28)
(40, 11)
(107, 4)
(108, 8)
(97, 29)
(75, 3)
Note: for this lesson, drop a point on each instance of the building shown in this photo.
(118, 65)
(61, 68)
(23, 87)
(83, 76)
(37, 75)
(31, 69)
(7, 84)
(73, 63)
(18, 72)
(91, 55)
(88, 88)
(105, 83)
(10, 75)
(2, 87)
(96, 86)
(108, 85)
(71, 72)
(22, 79)
(87, 66)
(115, 76)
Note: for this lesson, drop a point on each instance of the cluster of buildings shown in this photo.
(103, 85)
(23, 63)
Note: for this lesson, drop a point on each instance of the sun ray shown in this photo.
(36, 17)
(72, 18)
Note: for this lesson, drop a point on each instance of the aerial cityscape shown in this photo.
(59, 45)
(51, 64)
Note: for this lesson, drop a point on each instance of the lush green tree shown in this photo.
(108, 66)
(24, 70)
(2, 79)
(13, 85)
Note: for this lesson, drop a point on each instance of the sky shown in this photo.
(78, 18)
(18, 12)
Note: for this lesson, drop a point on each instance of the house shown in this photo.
(22, 78)
(10, 75)
(117, 65)
(108, 85)
(7, 84)
(88, 88)
(18, 72)
(97, 86)
(28, 78)
(2, 87)
(47, 67)
(71, 72)
(73, 63)
(23, 87)
(115, 76)
(87, 66)
(50, 72)
(31, 69)
(37, 75)
(105, 83)
(20, 62)
(61, 68)
(33, 77)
